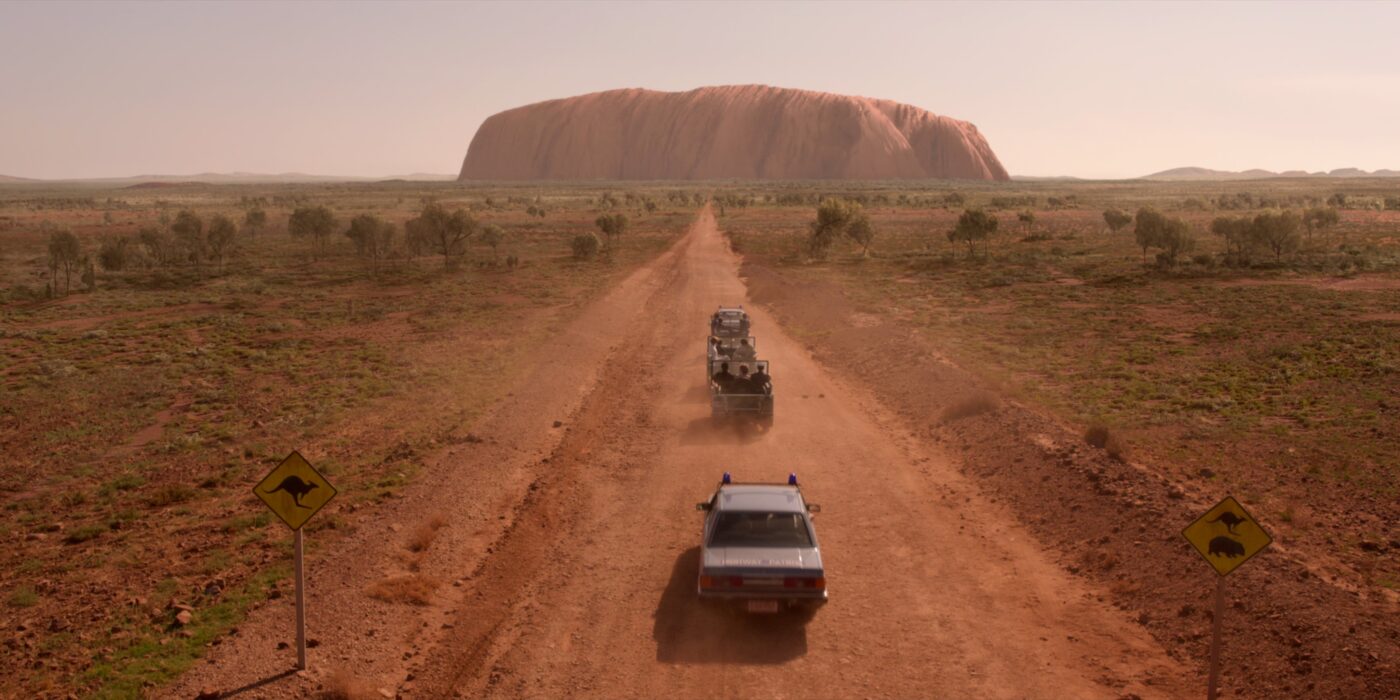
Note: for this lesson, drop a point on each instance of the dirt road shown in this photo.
(935, 590)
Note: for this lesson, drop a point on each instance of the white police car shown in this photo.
(759, 550)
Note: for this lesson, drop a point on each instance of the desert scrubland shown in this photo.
(1008, 429)
(141, 404)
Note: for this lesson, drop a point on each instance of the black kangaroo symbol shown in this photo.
(1230, 520)
(295, 487)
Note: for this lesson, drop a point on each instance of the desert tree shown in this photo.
(220, 237)
(89, 274)
(1277, 231)
(493, 236)
(157, 245)
(441, 231)
(833, 216)
(113, 253)
(860, 230)
(974, 225)
(65, 254)
(1320, 219)
(612, 226)
(1174, 239)
(1117, 219)
(315, 222)
(254, 220)
(1237, 234)
(1148, 229)
(189, 233)
(1027, 217)
(373, 238)
(585, 245)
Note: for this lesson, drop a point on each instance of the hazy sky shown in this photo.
(358, 88)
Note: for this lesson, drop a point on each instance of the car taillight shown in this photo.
(795, 582)
(736, 582)
(818, 582)
(707, 582)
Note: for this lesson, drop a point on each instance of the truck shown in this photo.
(741, 389)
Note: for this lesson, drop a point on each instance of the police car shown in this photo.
(759, 550)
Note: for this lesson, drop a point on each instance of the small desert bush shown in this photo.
(24, 598)
(585, 245)
(425, 533)
(1098, 435)
(169, 494)
(975, 405)
(342, 684)
(414, 589)
(83, 534)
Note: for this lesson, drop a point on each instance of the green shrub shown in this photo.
(585, 245)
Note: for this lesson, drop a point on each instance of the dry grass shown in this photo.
(1099, 435)
(344, 685)
(413, 589)
(978, 404)
(423, 535)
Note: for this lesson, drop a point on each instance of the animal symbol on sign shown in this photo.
(1223, 546)
(1230, 520)
(294, 487)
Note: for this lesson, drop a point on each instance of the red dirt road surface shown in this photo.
(568, 560)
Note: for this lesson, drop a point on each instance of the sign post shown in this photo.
(1214, 684)
(295, 491)
(301, 601)
(1227, 536)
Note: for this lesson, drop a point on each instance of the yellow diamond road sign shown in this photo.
(294, 490)
(1227, 536)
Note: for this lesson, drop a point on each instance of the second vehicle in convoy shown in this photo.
(740, 385)
(730, 322)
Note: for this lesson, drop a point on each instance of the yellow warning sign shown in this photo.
(1227, 536)
(295, 490)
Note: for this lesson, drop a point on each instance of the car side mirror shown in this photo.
(702, 506)
(813, 508)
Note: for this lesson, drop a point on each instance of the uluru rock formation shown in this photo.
(739, 131)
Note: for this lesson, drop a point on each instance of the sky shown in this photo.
(1100, 90)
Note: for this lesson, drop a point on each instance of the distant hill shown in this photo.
(1192, 173)
(742, 132)
(144, 181)
(1045, 178)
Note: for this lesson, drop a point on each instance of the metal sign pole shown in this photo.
(301, 610)
(1214, 636)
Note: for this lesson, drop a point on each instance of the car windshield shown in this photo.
(748, 529)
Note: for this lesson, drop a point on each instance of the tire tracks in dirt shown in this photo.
(936, 588)
(478, 488)
(503, 593)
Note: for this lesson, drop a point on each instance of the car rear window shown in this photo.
(748, 529)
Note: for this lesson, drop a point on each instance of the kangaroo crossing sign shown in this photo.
(1227, 536)
(295, 490)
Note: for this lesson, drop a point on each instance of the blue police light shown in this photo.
(725, 479)
(792, 479)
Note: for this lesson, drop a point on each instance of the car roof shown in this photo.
(731, 310)
(771, 498)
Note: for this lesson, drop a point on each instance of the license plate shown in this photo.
(763, 606)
